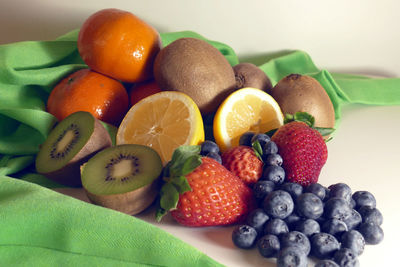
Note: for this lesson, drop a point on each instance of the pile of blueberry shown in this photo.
(330, 224)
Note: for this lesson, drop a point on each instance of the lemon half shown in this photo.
(247, 109)
(163, 121)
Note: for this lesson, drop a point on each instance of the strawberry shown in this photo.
(199, 191)
(243, 161)
(302, 149)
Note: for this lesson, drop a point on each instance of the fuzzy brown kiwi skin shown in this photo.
(70, 174)
(196, 68)
(130, 203)
(249, 75)
(297, 92)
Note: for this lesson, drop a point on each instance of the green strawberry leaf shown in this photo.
(310, 121)
(160, 213)
(184, 160)
(181, 184)
(325, 131)
(190, 164)
(300, 116)
(270, 133)
(288, 118)
(179, 158)
(169, 197)
(257, 149)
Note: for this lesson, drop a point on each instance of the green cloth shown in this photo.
(39, 227)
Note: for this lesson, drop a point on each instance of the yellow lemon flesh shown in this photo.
(247, 109)
(163, 121)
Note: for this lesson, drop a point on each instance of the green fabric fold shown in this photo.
(40, 227)
(47, 228)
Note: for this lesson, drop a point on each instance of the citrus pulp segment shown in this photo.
(163, 121)
(247, 109)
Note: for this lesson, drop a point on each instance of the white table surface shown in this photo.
(349, 36)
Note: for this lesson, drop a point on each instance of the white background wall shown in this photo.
(359, 36)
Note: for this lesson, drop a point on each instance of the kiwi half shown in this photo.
(70, 144)
(123, 178)
(249, 75)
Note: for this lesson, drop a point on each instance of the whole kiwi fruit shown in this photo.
(303, 93)
(249, 75)
(196, 68)
(70, 144)
(123, 177)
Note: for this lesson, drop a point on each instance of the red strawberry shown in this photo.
(243, 161)
(303, 151)
(209, 194)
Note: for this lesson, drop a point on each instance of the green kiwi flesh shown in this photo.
(70, 144)
(123, 178)
(249, 75)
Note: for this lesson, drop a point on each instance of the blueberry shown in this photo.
(273, 173)
(262, 188)
(334, 227)
(317, 189)
(292, 219)
(324, 245)
(372, 233)
(353, 203)
(326, 263)
(309, 205)
(308, 227)
(245, 139)
(276, 227)
(244, 236)
(291, 257)
(353, 220)
(270, 148)
(272, 159)
(263, 139)
(337, 208)
(268, 246)
(353, 240)
(278, 204)
(340, 190)
(364, 198)
(371, 215)
(215, 156)
(256, 219)
(297, 239)
(294, 189)
(346, 257)
(208, 146)
(321, 220)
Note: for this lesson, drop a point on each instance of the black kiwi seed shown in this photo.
(134, 161)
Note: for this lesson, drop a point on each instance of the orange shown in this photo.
(163, 121)
(86, 90)
(118, 44)
(142, 90)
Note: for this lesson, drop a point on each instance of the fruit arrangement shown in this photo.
(213, 144)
